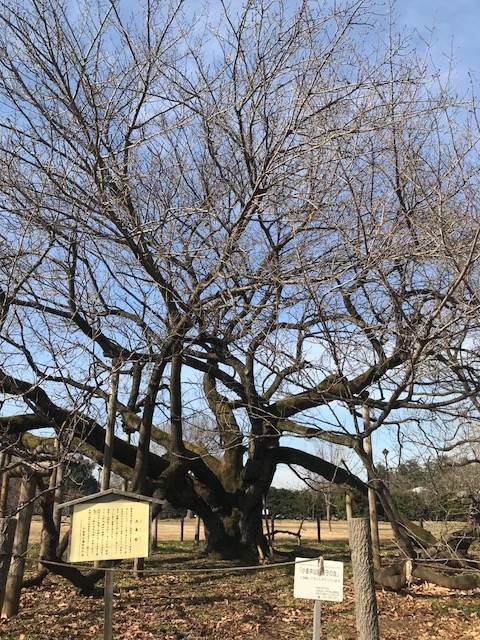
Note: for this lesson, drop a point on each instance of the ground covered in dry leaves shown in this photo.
(186, 597)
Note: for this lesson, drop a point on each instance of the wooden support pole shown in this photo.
(110, 431)
(4, 462)
(138, 567)
(197, 530)
(154, 534)
(364, 585)
(372, 496)
(108, 602)
(59, 493)
(15, 576)
(7, 535)
(348, 506)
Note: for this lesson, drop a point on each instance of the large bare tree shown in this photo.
(259, 221)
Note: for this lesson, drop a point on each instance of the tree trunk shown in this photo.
(362, 564)
(402, 534)
(237, 535)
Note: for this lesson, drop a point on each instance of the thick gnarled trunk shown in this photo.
(238, 535)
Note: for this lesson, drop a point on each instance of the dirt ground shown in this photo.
(171, 530)
(185, 596)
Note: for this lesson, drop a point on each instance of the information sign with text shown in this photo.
(318, 579)
(114, 530)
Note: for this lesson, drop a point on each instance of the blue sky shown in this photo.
(452, 29)
(455, 31)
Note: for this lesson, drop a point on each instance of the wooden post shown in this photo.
(7, 534)
(372, 497)
(128, 437)
(110, 431)
(154, 534)
(109, 435)
(15, 577)
(319, 532)
(4, 462)
(138, 567)
(108, 602)
(59, 492)
(348, 506)
(266, 514)
(182, 527)
(364, 585)
(197, 531)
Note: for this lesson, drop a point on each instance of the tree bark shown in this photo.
(110, 430)
(348, 506)
(7, 534)
(362, 563)
(4, 462)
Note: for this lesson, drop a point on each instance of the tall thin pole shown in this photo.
(110, 430)
(372, 498)
(5, 459)
(105, 484)
(108, 602)
(317, 620)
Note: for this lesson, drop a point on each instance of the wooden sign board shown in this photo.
(318, 579)
(111, 530)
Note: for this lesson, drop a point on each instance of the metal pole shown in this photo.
(317, 619)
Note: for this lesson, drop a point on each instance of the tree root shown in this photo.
(398, 577)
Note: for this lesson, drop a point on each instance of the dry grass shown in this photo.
(187, 596)
(171, 530)
(337, 530)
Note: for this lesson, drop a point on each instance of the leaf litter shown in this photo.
(233, 606)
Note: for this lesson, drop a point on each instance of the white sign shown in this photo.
(110, 531)
(318, 579)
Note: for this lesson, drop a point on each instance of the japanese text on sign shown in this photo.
(316, 580)
(110, 531)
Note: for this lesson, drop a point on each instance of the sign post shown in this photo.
(110, 525)
(318, 580)
(108, 602)
(317, 619)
